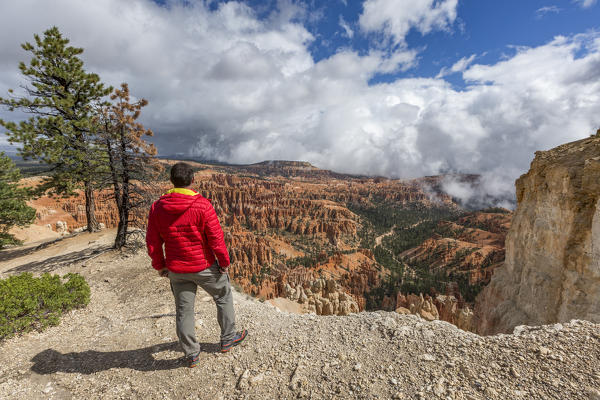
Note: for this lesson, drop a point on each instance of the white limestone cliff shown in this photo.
(552, 267)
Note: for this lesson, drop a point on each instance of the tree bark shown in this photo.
(90, 208)
(113, 173)
(121, 238)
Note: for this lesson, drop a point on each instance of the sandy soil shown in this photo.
(286, 305)
(35, 234)
(47, 255)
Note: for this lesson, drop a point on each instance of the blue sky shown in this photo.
(488, 29)
(399, 88)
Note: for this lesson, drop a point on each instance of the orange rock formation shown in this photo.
(287, 225)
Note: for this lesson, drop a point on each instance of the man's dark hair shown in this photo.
(181, 174)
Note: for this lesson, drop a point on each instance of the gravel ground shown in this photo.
(123, 345)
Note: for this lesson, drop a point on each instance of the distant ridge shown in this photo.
(284, 168)
(284, 163)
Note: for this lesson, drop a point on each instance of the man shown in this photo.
(194, 255)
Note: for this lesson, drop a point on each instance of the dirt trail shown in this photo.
(123, 346)
(379, 238)
(45, 256)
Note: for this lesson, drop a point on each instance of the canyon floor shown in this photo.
(123, 345)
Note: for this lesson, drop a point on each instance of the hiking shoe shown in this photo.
(237, 339)
(194, 361)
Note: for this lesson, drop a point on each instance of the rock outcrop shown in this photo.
(552, 267)
(291, 223)
(442, 307)
(66, 215)
(472, 246)
(322, 297)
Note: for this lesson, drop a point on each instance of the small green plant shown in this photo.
(29, 303)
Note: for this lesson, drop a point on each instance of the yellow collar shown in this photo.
(189, 192)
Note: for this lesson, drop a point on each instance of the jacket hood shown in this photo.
(178, 201)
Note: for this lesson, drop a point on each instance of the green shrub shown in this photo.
(28, 303)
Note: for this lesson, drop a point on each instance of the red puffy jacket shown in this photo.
(188, 226)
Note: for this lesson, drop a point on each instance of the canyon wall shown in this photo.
(472, 246)
(552, 267)
(290, 225)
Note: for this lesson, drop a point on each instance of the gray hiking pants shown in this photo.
(215, 284)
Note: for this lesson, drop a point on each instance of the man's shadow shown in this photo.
(50, 361)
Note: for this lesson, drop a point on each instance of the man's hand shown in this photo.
(163, 272)
(224, 270)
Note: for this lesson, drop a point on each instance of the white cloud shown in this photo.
(395, 18)
(347, 30)
(400, 60)
(540, 12)
(463, 63)
(585, 3)
(226, 85)
(491, 188)
(458, 66)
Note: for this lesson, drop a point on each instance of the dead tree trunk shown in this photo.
(124, 202)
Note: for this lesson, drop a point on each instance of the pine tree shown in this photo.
(131, 160)
(63, 98)
(13, 208)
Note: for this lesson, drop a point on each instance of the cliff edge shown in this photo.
(123, 346)
(552, 267)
